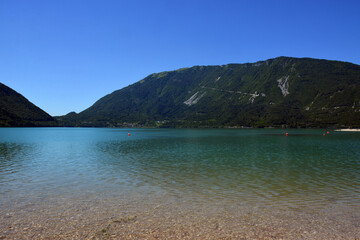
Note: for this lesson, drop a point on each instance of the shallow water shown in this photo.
(81, 173)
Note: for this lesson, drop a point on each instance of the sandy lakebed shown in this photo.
(164, 218)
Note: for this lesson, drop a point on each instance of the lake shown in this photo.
(101, 183)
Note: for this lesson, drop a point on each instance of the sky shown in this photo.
(63, 55)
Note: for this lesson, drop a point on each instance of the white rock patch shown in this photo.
(283, 84)
(194, 99)
(243, 94)
(253, 96)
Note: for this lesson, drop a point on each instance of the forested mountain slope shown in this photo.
(284, 91)
(17, 111)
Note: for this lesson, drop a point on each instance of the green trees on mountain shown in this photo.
(17, 111)
(291, 92)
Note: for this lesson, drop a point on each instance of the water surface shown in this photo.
(200, 169)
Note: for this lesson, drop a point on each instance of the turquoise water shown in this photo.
(261, 167)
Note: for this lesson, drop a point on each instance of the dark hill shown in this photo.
(17, 111)
(292, 92)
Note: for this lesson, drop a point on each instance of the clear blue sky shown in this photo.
(63, 55)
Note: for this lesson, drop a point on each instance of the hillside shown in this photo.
(17, 111)
(290, 92)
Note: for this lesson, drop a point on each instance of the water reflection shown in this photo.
(251, 168)
(8, 152)
(236, 166)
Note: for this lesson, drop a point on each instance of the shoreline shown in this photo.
(348, 130)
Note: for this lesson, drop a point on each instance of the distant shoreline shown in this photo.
(348, 130)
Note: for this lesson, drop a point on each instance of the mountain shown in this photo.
(17, 111)
(284, 91)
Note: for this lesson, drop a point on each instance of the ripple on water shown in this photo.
(227, 170)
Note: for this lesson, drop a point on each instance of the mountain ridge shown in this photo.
(283, 91)
(17, 111)
(278, 92)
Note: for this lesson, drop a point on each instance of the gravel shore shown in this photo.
(113, 219)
